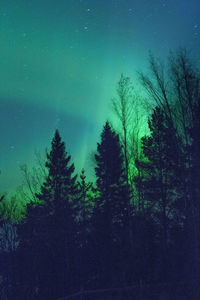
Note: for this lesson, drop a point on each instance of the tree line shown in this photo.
(137, 223)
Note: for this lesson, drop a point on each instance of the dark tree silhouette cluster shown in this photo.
(133, 232)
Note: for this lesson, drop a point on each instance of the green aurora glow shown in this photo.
(60, 62)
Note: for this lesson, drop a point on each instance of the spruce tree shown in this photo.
(59, 193)
(50, 227)
(84, 210)
(85, 201)
(60, 186)
(111, 181)
(162, 180)
(111, 205)
(191, 203)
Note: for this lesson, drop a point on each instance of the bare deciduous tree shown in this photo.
(33, 178)
(123, 108)
(131, 112)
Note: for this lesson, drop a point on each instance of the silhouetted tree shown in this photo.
(111, 205)
(123, 108)
(177, 93)
(85, 200)
(10, 214)
(79, 236)
(162, 178)
(84, 211)
(50, 226)
(33, 178)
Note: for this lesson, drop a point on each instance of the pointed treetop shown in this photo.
(57, 138)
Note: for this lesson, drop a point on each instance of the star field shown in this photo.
(60, 62)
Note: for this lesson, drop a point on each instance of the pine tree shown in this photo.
(60, 185)
(191, 181)
(111, 205)
(59, 193)
(85, 200)
(50, 226)
(84, 210)
(111, 182)
(162, 177)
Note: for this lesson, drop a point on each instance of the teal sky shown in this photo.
(60, 62)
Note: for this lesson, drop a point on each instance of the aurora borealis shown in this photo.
(60, 62)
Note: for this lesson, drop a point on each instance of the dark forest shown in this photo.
(133, 232)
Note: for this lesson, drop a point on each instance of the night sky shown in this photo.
(60, 62)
